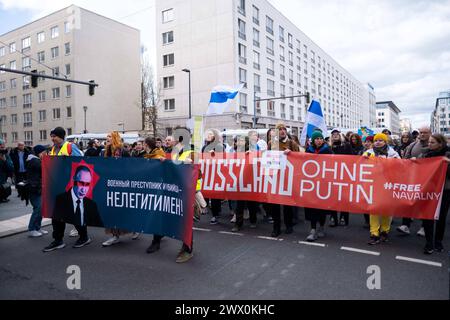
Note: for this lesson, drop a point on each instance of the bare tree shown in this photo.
(150, 98)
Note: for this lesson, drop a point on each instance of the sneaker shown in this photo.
(421, 232)
(184, 256)
(384, 237)
(253, 226)
(111, 241)
(44, 232)
(54, 246)
(428, 250)
(233, 220)
(438, 247)
(333, 223)
(320, 233)
(289, 230)
(73, 233)
(34, 234)
(403, 229)
(213, 221)
(135, 235)
(312, 236)
(270, 220)
(235, 229)
(374, 240)
(342, 223)
(153, 247)
(82, 242)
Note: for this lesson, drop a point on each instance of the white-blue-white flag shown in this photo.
(221, 98)
(314, 119)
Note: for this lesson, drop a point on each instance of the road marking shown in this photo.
(315, 244)
(231, 233)
(201, 229)
(269, 238)
(430, 263)
(373, 253)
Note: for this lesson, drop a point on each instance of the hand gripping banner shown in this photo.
(393, 187)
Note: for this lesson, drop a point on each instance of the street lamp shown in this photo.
(190, 95)
(85, 109)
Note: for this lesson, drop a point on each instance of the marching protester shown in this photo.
(379, 230)
(437, 148)
(367, 145)
(34, 189)
(405, 140)
(169, 143)
(6, 170)
(64, 148)
(114, 149)
(18, 156)
(340, 146)
(318, 146)
(139, 150)
(93, 150)
(282, 143)
(414, 150)
(356, 144)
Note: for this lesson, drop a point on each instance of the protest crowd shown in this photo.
(23, 166)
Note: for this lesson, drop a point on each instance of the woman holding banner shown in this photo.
(318, 146)
(379, 230)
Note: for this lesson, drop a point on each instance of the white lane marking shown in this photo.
(373, 253)
(315, 244)
(269, 238)
(201, 229)
(430, 263)
(231, 233)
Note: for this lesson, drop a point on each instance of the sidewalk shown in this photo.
(18, 225)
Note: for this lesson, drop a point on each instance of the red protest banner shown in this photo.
(394, 187)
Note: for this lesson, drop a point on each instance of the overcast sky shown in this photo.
(402, 47)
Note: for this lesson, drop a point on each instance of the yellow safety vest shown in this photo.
(185, 155)
(64, 151)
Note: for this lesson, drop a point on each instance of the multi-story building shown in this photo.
(369, 114)
(405, 125)
(388, 116)
(442, 113)
(250, 42)
(77, 44)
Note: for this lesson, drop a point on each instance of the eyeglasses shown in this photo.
(82, 184)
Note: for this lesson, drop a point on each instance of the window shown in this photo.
(298, 46)
(167, 37)
(69, 131)
(305, 64)
(67, 48)
(13, 101)
(290, 41)
(68, 91)
(2, 102)
(42, 135)
(13, 83)
(12, 47)
(168, 60)
(256, 60)
(299, 114)
(282, 90)
(169, 82)
(55, 71)
(2, 66)
(169, 105)
(271, 108)
(41, 56)
(15, 136)
(2, 51)
(42, 115)
(270, 87)
(41, 37)
(69, 112)
(243, 102)
(282, 72)
(27, 100)
(67, 69)
(26, 43)
(291, 76)
(56, 113)
(270, 67)
(41, 95)
(241, 29)
(243, 77)
(67, 27)
(269, 46)
(54, 32)
(28, 138)
(257, 82)
(27, 119)
(241, 7)
(167, 15)
(282, 53)
(305, 51)
(41, 73)
(26, 63)
(291, 112)
(26, 82)
(13, 119)
(13, 65)
(242, 51)
(281, 34)
(269, 25)
(55, 93)
(55, 52)
(256, 38)
(2, 86)
(283, 111)
(256, 15)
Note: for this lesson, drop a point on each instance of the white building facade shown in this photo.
(388, 116)
(442, 113)
(247, 41)
(80, 45)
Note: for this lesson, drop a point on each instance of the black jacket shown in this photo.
(34, 174)
(342, 148)
(64, 211)
(92, 152)
(15, 158)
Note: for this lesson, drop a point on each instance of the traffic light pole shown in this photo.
(35, 76)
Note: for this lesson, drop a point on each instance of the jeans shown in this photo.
(36, 216)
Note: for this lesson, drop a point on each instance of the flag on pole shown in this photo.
(222, 97)
(314, 120)
(365, 132)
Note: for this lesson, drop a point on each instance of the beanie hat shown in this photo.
(39, 149)
(59, 132)
(315, 135)
(381, 136)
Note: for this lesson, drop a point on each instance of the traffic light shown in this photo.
(34, 79)
(308, 98)
(92, 88)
